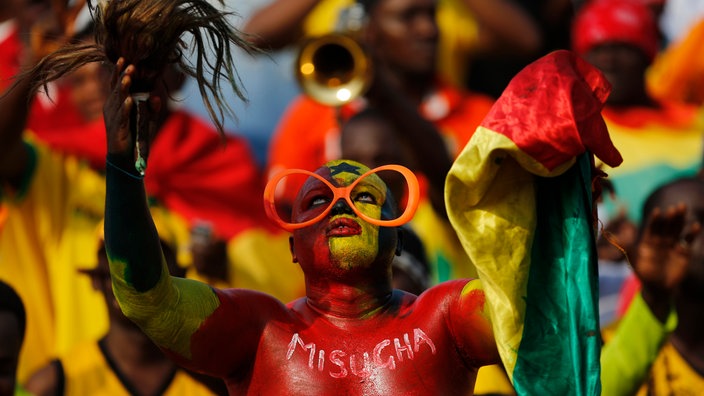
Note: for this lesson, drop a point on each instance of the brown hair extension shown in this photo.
(149, 34)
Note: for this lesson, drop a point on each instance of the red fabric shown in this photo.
(603, 21)
(190, 169)
(194, 173)
(10, 49)
(46, 113)
(571, 107)
(86, 141)
(308, 134)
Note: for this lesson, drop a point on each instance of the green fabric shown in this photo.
(559, 350)
(627, 357)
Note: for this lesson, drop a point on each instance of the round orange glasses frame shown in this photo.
(344, 193)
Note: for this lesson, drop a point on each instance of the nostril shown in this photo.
(341, 207)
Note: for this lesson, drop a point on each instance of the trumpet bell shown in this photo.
(333, 69)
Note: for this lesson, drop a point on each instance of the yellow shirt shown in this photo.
(672, 375)
(49, 232)
(87, 371)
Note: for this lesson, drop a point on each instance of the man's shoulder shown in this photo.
(451, 289)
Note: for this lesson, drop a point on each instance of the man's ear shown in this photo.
(399, 241)
(290, 246)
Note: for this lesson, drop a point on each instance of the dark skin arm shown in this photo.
(278, 24)
(505, 28)
(14, 111)
(126, 194)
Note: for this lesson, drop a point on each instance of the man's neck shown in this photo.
(346, 300)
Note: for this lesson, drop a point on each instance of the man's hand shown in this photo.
(663, 256)
(120, 125)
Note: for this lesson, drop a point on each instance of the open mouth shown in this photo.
(343, 226)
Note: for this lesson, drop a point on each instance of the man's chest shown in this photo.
(376, 358)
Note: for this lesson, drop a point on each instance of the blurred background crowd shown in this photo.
(435, 69)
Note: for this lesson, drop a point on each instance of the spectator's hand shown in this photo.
(663, 256)
(121, 114)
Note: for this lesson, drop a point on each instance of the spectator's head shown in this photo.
(12, 329)
(620, 37)
(368, 137)
(689, 191)
(90, 83)
(403, 35)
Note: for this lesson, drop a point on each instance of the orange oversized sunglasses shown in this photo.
(411, 199)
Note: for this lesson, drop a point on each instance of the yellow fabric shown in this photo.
(48, 234)
(493, 380)
(672, 375)
(642, 146)
(458, 33)
(678, 71)
(503, 265)
(653, 154)
(88, 373)
(261, 260)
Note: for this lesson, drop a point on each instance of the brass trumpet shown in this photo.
(334, 69)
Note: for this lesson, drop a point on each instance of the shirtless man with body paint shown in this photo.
(351, 334)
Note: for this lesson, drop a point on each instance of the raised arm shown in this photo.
(14, 110)
(279, 23)
(167, 309)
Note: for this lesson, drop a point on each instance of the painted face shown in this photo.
(342, 238)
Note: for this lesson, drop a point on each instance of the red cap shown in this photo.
(623, 21)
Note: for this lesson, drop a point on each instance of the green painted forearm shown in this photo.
(130, 235)
(169, 310)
